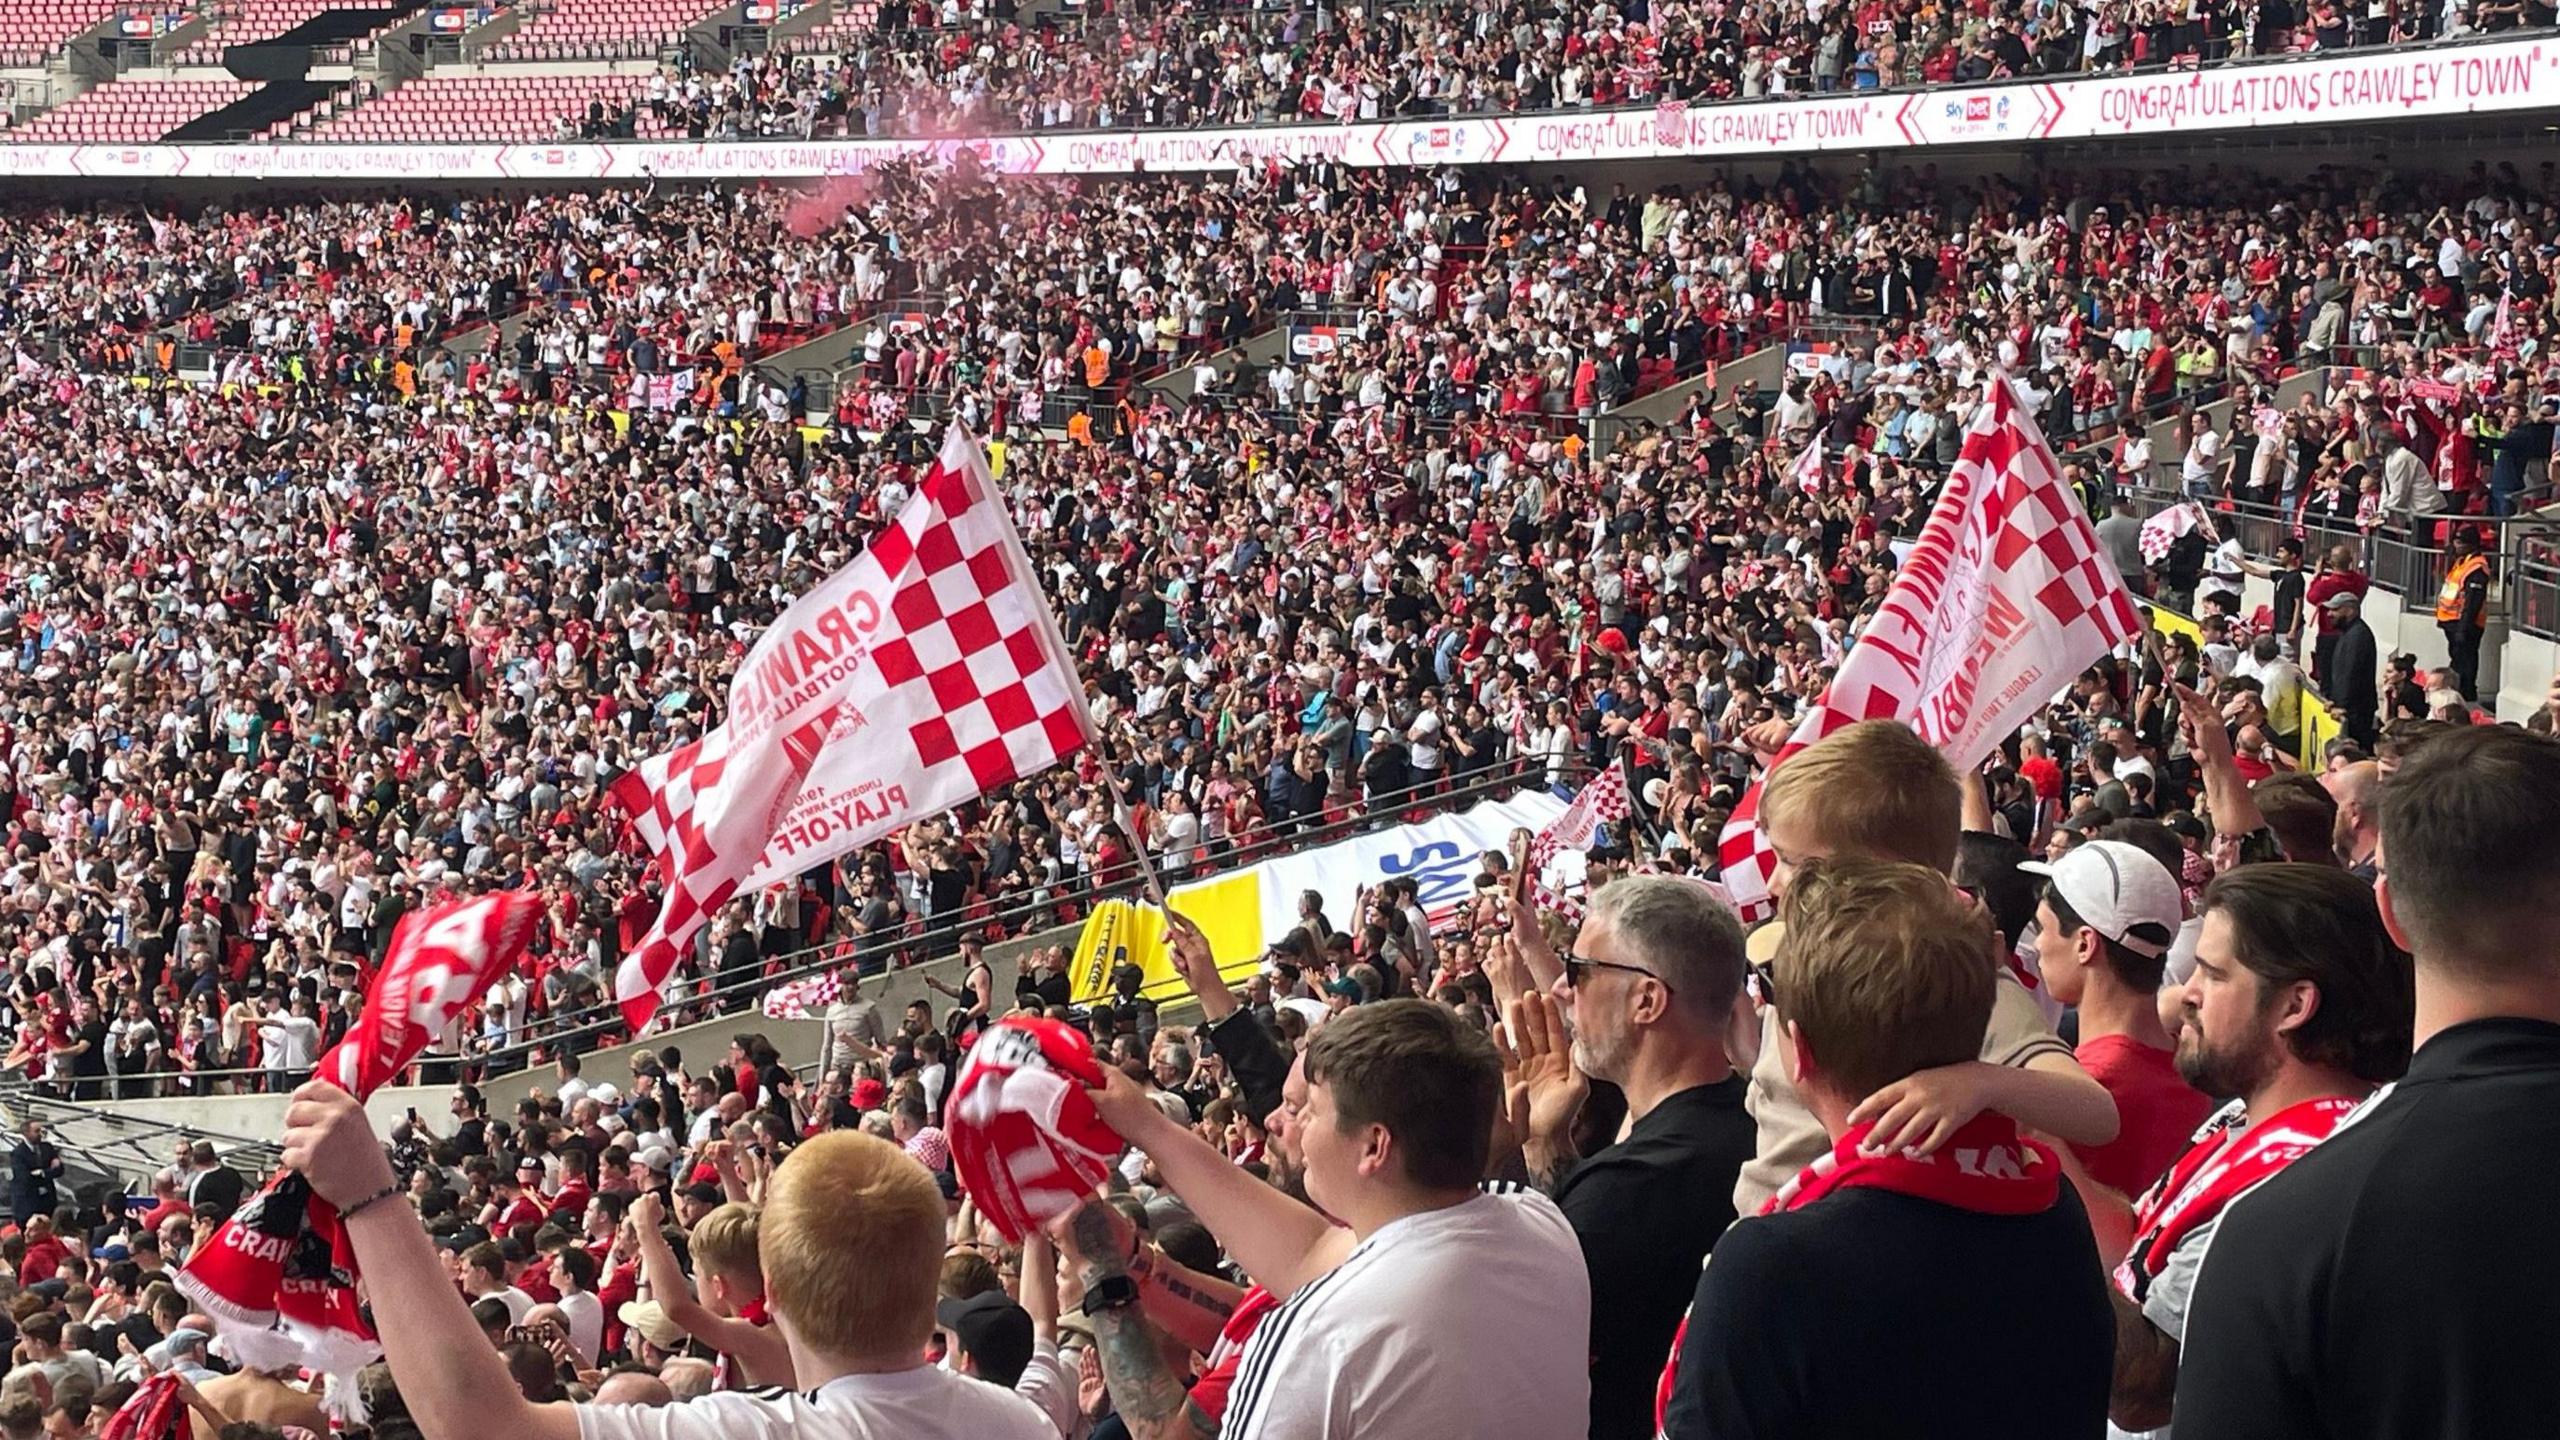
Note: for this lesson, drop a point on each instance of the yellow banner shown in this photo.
(2321, 724)
(2170, 622)
(1228, 911)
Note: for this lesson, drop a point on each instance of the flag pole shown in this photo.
(1137, 842)
(984, 477)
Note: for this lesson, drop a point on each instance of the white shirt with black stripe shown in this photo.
(1472, 1320)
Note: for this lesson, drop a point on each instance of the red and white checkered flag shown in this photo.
(923, 674)
(803, 998)
(2162, 531)
(1602, 801)
(2004, 599)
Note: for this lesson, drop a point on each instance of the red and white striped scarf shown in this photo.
(2216, 1170)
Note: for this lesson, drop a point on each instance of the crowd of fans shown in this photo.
(926, 69)
(488, 496)
(1862, 1113)
(376, 616)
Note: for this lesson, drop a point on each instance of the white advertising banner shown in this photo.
(2352, 87)
(1440, 855)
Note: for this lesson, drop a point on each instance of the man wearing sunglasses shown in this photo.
(1647, 992)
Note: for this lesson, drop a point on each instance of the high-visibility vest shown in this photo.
(2449, 606)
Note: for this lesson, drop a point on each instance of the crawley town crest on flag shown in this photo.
(2003, 599)
(916, 678)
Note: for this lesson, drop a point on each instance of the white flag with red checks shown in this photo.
(1807, 467)
(2162, 531)
(921, 675)
(1602, 801)
(2003, 600)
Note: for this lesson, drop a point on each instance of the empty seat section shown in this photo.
(602, 29)
(129, 111)
(517, 105)
(31, 30)
(246, 22)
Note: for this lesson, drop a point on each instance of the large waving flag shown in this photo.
(923, 674)
(2004, 598)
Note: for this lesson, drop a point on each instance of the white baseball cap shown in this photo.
(2120, 891)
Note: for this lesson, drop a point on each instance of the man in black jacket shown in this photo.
(1650, 989)
(2352, 681)
(213, 1188)
(2397, 1280)
(33, 1165)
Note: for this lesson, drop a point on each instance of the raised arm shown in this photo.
(1149, 1396)
(1281, 1243)
(2226, 795)
(455, 1385)
(760, 1353)
(1260, 1066)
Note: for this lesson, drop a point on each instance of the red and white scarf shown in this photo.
(279, 1276)
(1986, 1167)
(2216, 1170)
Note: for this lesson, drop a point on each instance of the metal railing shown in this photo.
(2403, 552)
(2533, 592)
(575, 1030)
(132, 1146)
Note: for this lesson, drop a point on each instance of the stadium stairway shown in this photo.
(254, 112)
(101, 1147)
(336, 27)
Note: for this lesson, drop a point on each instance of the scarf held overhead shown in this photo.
(279, 1277)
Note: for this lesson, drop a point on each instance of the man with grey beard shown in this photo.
(1643, 1004)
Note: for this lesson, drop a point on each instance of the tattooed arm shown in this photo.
(1145, 1389)
(1185, 1304)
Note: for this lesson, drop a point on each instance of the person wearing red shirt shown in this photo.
(2040, 770)
(45, 1252)
(2103, 930)
(167, 1203)
(517, 1203)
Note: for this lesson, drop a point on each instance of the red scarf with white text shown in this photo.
(1986, 1167)
(2216, 1170)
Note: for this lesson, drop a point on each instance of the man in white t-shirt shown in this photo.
(851, 1240)
(293, 1042)
(573, 1275)
(1398, 1323)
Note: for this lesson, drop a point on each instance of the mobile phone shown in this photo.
(1520, 877)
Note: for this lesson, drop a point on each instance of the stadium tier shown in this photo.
(31, 31)
(515, 103)
(601, 29)
(130, 111)
(246, 22)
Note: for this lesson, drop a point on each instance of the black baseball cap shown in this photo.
(993, 1332)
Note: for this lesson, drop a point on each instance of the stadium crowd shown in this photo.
(1860, 1113)
(376, 616)
(487, 497)
(923, 69)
